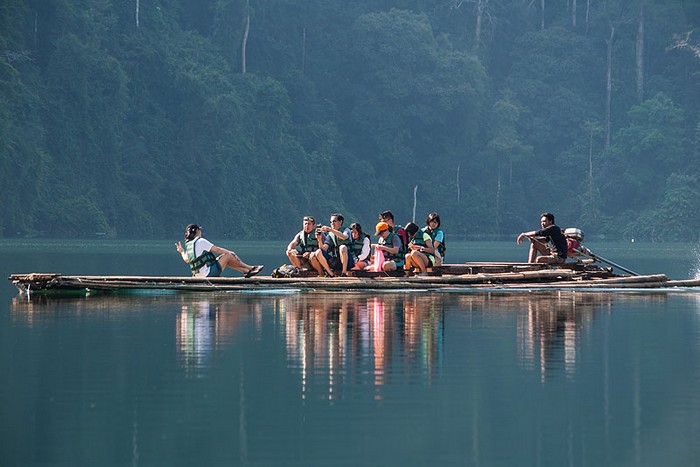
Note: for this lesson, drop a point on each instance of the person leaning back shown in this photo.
(201, 255)
(549, 242)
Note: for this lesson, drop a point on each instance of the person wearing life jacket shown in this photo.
(303, 245)
(334, 253)
(360, 248)
(421, 253)
(388, 217)
(432, 228)
(389, 244)
(549, 242)
(201, 255)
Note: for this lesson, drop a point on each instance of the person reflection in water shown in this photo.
(201, 256)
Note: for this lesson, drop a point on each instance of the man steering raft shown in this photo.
(199, 253)
(549, 242)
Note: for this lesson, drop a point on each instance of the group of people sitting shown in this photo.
(334, 249)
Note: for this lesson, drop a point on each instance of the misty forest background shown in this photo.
(132, 118)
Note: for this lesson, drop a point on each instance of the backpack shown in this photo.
(286, 270)
(401, 232)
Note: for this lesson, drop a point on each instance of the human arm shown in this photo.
(366, 249)
(322, 238)
(393, 249)
(524, 235)
(219, 250)
(439, 238)
(182, 252)
(292, 247)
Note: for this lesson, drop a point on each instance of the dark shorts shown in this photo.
(214, 270)
(305, 263)
(335, 264)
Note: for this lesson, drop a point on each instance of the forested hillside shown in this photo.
(131, 118)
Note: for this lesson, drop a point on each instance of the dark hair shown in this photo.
(411, 229)
(191, 231)
(338, 216)
(548, 215)
(358, 227)
(433, 216)
(386, 215)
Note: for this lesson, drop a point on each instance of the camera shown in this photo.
(318, 231)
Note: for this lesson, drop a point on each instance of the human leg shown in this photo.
(346, 259)
(420, 260)
(232, 261)
(536, 247)
(322, 262)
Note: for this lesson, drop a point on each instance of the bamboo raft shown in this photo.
(480, 276)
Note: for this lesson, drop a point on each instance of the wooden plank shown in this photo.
(541, 279)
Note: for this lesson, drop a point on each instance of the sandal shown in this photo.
(254, 270)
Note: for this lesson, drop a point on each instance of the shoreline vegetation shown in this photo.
(120, 121)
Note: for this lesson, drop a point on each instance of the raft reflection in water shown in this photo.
(356, 337)
(333, 338)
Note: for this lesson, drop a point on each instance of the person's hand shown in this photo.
(179, 248)
(520, 238)
(325, 228)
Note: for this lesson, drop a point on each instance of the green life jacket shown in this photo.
(433, 233)
(336, 242)
(206, 258)
(398, 258)
(357, 244)
(308, 242)
(421, 239)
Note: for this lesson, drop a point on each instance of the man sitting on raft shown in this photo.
(199, 253)
(549, 242)
(303, 244)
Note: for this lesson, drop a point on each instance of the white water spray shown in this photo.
(695, 270)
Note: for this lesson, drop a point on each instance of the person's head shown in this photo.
(388, 217)
(381, 229)
(546, 219)
(411, 229)
(192, 231)
(309, 224)
(356, 230)
(336, 221)
(433, 220)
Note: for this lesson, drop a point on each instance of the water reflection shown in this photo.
(481, 378)
(333, 338)
(360, 337)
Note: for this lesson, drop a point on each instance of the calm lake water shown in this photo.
(320, 378)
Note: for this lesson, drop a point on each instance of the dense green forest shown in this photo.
(132, 118)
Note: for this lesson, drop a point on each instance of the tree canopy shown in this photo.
(133, 118)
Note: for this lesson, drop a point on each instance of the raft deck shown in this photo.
(462, 276)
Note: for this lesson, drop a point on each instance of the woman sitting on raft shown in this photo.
(360, 246)
(421, 253)
(432, 228)
(199, 253)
